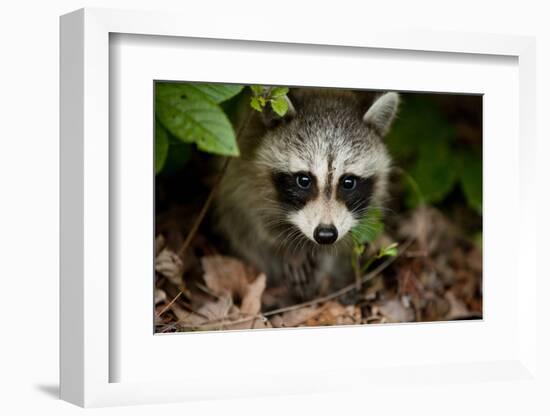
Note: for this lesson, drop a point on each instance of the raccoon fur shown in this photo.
(303, 181)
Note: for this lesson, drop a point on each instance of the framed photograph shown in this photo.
(279, 214)
(311, 223)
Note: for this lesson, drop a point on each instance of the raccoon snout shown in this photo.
(325, 234)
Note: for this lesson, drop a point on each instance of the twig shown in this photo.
(333, 295)
(170, 304)
(346, 289)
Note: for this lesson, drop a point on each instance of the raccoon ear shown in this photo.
(382, 112)
(271, 118)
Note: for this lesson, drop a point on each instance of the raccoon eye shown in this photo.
(303, 180)
(349, 182)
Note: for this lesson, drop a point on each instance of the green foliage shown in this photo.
(192, 114)
(369, 228)
(280, 106)
(434, 171)
(470, 180)
(189, 113)
(276, 96)
(215, 93)
(361, 267)
(389, 251)
(257, 103)
(425, 144)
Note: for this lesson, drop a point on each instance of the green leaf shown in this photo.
(161, 146)
(278, 92)
(216, 93)
(197, 121)
(435, 171)
(256, 104)
(419, 121)
(280, 106)
(358, 249)
(369, 228)
(471, 180)
(421, 141)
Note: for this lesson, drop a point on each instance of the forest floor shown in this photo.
(436, 276)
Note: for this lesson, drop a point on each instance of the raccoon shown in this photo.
(303, 181)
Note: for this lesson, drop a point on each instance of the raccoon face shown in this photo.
(324, 207)
(328, 165)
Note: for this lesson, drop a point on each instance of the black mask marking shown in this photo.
(357, 199)
(290, 194)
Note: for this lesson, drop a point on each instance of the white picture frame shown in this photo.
(87, 303)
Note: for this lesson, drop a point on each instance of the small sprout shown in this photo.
(256, 104)
(369, 228)
(276, 96)
(389, 251)
(278, 92)
(358, 249)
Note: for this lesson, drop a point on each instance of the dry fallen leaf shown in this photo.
(218, 310)
(296, 317)
(229, 276)
(394, 311)
(430, 228)
(458, 310)
(212, 314)
(160, 296)
(229, 280)
(251, 303)
(334, 313)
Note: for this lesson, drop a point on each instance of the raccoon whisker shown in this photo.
(366, 210)
(292, 236)
(300, 242)
(291, 246)
(286, 233)
(273, 223)
(295, 241)
(305, 245)
(347, 243)
(366, 224)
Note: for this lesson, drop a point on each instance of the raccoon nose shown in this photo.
(325, 234)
